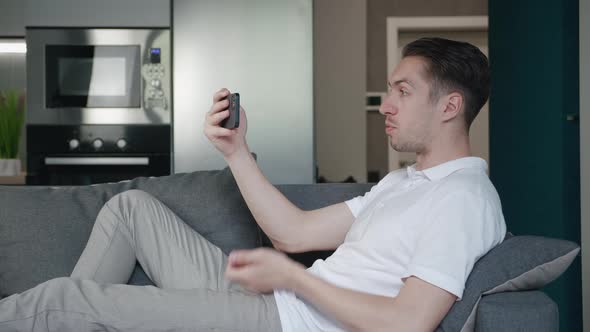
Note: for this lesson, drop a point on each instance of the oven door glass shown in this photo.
(92, 76)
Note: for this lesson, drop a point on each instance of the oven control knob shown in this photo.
(97, 143)
(74, 143)
(121, 143)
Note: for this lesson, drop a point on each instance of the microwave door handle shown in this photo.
(97, 161)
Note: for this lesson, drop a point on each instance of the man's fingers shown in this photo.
(220, 131)
(217, 117)
(232, 274)
(239, 273)
(220, 95)
(242, 276)
(241, 257)
(219, 106)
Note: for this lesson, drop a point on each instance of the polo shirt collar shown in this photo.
(440, 171)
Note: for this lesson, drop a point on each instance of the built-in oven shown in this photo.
(90, 154)
(98, 104)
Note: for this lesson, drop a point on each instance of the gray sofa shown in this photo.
(43, 230)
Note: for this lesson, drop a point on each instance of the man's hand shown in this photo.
(262, 269)
(227, 141)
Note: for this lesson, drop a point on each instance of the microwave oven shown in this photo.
(98, 76)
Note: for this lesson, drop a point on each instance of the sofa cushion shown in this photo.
(518, 263)
(517, 311)
(43, 230)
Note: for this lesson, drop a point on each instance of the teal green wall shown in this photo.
(534, 150)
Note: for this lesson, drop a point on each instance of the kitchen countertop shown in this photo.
(13, 180)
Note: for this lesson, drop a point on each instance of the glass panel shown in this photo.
(106, 76)
(92, 76)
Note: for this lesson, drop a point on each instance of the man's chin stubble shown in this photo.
(401, 147)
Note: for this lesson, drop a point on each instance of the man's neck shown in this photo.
(442, 151)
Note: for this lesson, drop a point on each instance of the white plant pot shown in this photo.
(9, 167)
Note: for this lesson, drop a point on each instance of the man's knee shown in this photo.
(128, 199)
(56, 288)
(61, 283)
(130, 204)
(133, 196)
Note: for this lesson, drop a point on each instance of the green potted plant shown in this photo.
(12, 117)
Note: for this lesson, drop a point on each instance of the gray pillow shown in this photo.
(43, 230)
(518, 263)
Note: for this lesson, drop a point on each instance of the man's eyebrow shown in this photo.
(398, 82)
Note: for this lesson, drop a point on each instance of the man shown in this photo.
(403, 250)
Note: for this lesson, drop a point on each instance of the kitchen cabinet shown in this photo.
(12, 18)
(16, 15)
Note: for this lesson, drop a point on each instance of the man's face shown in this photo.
(409, 112)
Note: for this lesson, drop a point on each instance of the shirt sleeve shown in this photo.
(355, 205)
(358, 203)
(461, 228)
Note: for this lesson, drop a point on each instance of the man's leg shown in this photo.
(134, 225)
(66, 304)
(196, 296)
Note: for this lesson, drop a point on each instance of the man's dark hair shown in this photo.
(454, 66)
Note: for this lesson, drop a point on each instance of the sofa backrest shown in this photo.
(43, 230)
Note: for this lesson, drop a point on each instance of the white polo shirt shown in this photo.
(433, 224)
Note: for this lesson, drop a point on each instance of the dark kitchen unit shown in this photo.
(89, 154)
(99, 105)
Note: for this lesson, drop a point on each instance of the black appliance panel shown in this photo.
(90, 154)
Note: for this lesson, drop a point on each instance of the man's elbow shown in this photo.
(284, 246)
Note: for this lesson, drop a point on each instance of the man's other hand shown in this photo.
(262, 269)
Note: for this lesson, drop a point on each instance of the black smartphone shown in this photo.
(233, 120)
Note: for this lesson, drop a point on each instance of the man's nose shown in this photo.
(387, 107)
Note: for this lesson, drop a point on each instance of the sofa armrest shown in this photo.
(517, 311)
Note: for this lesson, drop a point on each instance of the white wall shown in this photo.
(585, 155)
(340, 78)
(261, 49)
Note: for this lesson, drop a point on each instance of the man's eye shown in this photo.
(403, 92)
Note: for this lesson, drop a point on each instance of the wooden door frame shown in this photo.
(397, 24)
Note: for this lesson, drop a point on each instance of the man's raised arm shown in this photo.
(289, 228)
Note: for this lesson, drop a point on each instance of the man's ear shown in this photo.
(452, 104)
